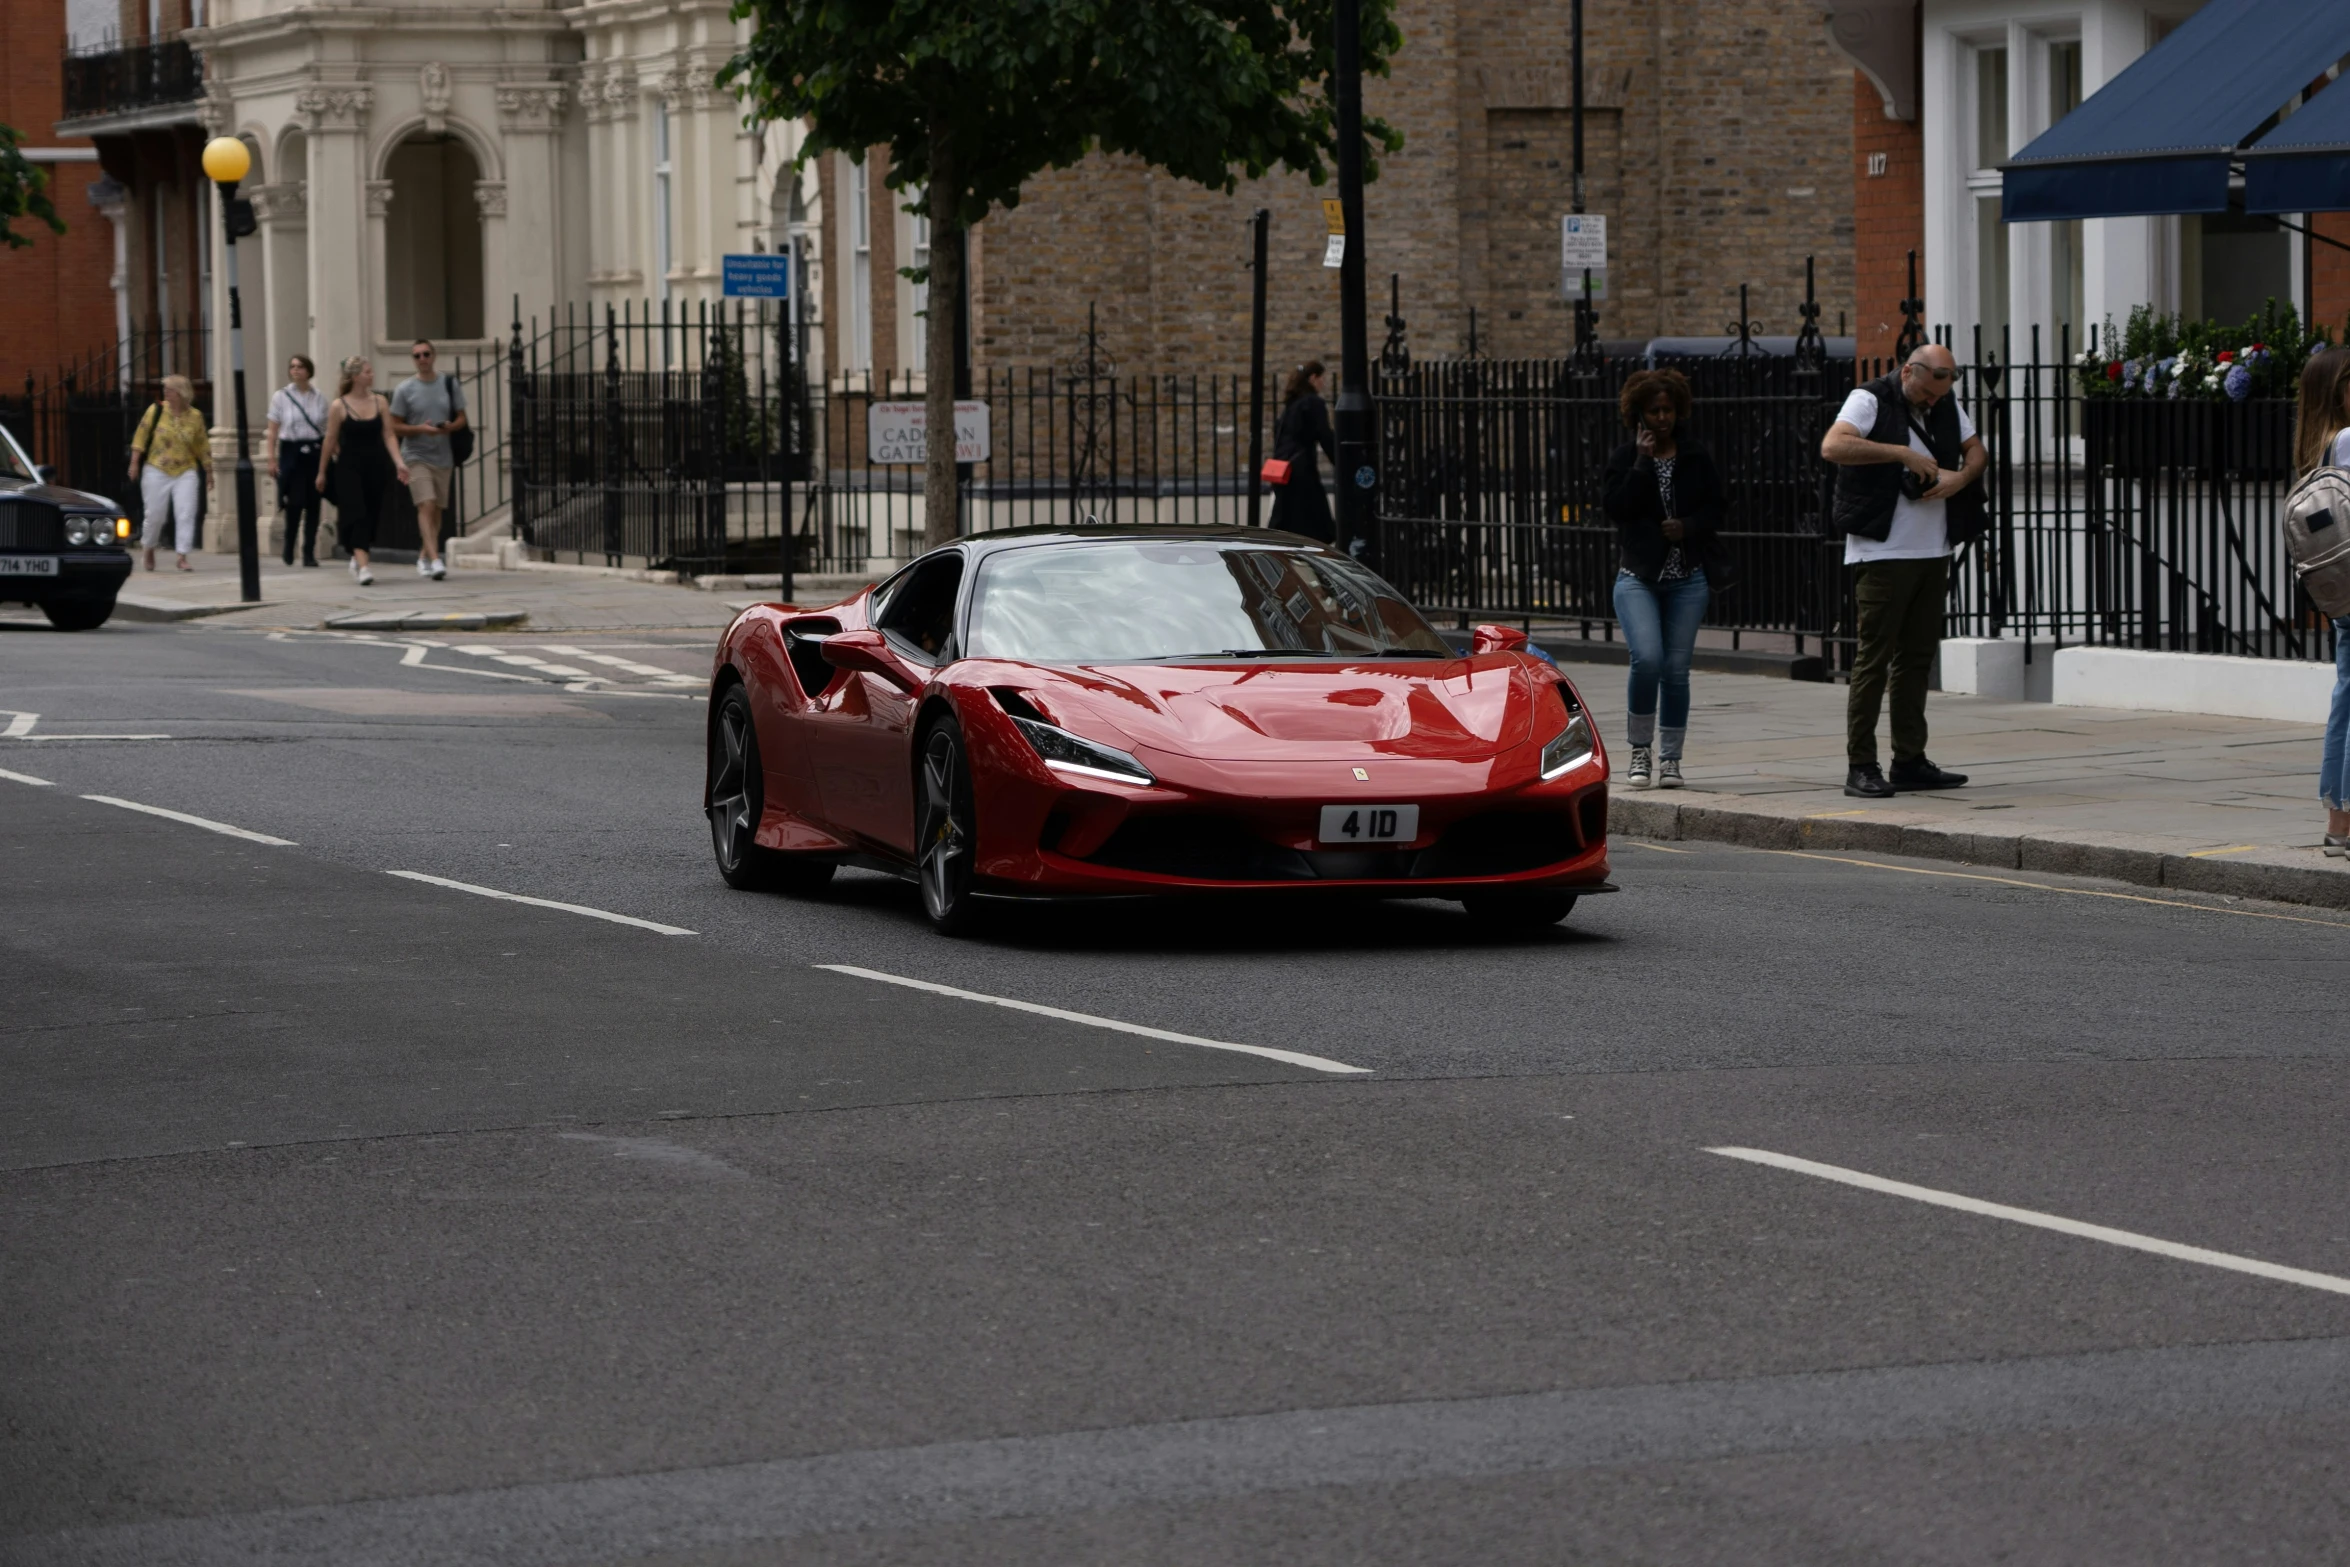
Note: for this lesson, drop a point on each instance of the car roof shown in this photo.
(1100, 532)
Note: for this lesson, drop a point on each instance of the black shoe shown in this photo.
(1922, 774)
(1865, 782)
(310, 561)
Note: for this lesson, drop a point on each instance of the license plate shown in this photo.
(28, 565)
(1370, 823)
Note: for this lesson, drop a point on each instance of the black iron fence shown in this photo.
(116, 79)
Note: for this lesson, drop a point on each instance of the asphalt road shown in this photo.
(349, 1217)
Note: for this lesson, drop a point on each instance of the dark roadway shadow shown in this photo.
(1216, 923)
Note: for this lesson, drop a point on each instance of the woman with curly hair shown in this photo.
(1664, 494)
(2322, 440)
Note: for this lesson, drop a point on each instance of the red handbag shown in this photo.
(1276, 470)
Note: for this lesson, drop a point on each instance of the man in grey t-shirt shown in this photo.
(425, 409)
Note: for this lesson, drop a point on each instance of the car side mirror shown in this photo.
(1497, 639)
(868, 652)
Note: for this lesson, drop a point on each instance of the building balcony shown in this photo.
(132, 86)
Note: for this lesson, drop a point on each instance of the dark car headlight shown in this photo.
(77, 530)
(1076, 754)
(1571, 748)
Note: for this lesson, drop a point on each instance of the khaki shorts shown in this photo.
(431, 486)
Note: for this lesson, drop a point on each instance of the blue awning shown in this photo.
(2161, 136)
(2304, 164)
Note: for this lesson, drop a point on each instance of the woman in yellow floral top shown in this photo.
(167, 458)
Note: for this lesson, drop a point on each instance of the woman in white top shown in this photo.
(2322, 436)
(297, 434)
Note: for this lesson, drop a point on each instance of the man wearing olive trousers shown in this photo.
(1907, 459)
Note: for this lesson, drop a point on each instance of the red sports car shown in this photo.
(1088, 711)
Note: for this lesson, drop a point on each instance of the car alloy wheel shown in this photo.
(945, 834)
(738, 799)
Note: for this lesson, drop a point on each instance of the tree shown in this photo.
(23, 192)
(974, 98)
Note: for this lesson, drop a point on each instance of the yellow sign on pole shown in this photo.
(1334, 214)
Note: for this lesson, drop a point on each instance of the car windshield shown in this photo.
(1131, 601)
(14, 464)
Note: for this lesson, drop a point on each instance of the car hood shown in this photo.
(56, 495)
(1466, 709)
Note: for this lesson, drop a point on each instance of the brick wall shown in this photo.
(58, 300)
(1718, 137)
(1889, 213)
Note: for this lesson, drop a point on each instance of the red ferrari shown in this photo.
(1099, 711)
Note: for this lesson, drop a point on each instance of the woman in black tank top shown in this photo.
(363, 461)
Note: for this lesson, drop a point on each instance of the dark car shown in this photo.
(66, 552)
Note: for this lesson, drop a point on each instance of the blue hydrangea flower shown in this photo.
(2239, 385)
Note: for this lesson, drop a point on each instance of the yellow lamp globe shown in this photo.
(226, 160)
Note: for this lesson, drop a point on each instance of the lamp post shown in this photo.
(1357, 476)
(225, 163)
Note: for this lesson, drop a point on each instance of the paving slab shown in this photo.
(2197, 802)
(156, 608)
(428, 620)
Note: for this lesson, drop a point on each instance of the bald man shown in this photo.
(1906, 457)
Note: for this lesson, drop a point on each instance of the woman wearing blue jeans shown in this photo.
(1664, 495)
(2321, 437)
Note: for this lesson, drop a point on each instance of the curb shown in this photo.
(429, 620)
(163, 611)
(2277, 874)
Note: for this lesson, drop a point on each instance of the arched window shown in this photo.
(432, 240)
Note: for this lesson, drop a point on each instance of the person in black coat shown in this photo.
(1664, 494)
(1301, 505)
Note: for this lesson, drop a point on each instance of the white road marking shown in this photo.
(193, 821)
(546, 903)
(19, 725)
(26, 778)
(2044, 1221)
(1294, 1058)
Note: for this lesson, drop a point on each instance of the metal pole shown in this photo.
(1585, 322)
(1357, 476)
(1261, 224)
(248, 509)
(787, 398)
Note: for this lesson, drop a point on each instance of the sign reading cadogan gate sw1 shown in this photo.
(898, 433)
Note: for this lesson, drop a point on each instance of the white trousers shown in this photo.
(170, 499)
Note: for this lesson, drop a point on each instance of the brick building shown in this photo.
(58, 291)
(1717, 141)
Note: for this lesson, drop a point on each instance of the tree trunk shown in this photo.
(941, 498)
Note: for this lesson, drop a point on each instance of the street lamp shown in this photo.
(1358, 476)
(225, 163)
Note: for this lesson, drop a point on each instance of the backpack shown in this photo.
(2317, 536)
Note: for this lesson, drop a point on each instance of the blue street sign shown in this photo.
(756, 277)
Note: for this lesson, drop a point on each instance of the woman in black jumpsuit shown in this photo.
(363, 460)
(1300, 506)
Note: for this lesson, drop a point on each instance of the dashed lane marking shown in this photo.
(1292, 1057)
(2077, 892)
(2044, 1221)
(545, 903)
(26, 778)
(204, 822)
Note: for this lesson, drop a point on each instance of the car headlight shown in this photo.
(1076, 754)
(1572, 748)
(77, 530)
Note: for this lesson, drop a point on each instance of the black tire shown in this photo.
(946, 830)
(738, 799)
(1501, 911)
(79, 613)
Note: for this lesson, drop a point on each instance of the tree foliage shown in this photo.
(24, 192)
(974, 98)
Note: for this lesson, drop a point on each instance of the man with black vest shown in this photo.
(1907, 459)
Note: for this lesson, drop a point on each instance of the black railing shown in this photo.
(79, 419)
(119, 79)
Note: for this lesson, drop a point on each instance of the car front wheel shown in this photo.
(946, 831)
(80, 613)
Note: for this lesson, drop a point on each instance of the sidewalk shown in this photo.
(2223, 805)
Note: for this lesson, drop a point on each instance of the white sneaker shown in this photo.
(366, 577)
(423, 567)
(353, 563)
(440, 568)
(1668, 775)
(1637, 774)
